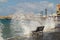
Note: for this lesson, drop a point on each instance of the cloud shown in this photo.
(3, 1)
(51, 5)
(30, 7)
(34, 7)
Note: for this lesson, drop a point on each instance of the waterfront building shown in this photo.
(57, 26)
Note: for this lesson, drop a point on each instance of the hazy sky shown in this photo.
(27, 6)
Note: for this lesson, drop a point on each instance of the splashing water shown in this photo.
(22, 26)
(19, 25)
(49, 24)
(49, 27)
(1, 25)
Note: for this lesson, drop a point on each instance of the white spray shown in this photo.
(1, 25)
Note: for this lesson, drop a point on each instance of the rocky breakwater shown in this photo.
(5, 17)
